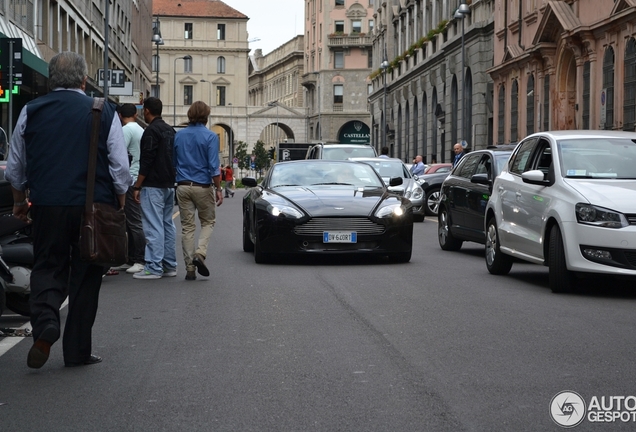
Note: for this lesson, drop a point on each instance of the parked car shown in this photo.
(313, 207)
(389, 168)
(431, 181)
(340, 151)
(464, 195)
(566, 200)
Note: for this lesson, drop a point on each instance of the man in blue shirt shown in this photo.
(196, 159)
(459, 152)
(418, 166)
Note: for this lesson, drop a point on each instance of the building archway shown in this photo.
(564, 111)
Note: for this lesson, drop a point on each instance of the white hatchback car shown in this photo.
(567, 200)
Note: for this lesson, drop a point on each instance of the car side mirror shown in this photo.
(481, 179)
(395, 181)
(536, 177)
(249, 181)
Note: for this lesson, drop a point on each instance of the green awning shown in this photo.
(35, 63)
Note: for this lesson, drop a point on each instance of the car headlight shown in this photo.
(284, 210)
(390, 211)
(598, 216)
(418, 193)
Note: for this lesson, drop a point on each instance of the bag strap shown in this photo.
(98, 105)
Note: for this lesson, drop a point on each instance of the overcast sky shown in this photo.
(274, 22)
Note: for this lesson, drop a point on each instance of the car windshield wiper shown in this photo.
(284, 185)
(332, 183)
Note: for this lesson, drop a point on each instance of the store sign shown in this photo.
(355, 132)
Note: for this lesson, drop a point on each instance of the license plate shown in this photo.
(339, 237)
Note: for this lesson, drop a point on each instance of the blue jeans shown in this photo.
(157, 205)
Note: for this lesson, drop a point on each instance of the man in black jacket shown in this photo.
(154, 189)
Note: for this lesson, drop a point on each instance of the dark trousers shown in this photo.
(58, 271)
(136, 238)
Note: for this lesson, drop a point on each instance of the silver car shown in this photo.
(410, 189)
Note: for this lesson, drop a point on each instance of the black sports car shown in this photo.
(325, 207)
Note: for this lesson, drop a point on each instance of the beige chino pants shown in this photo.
(196, 201)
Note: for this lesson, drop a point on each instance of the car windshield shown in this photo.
(343, 153)
(389, 169)
(321, 173)
(598, 158)
(501, 160)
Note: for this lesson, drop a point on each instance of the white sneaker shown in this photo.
(146, 275)
(135, 268)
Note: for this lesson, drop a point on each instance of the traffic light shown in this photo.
(272, 152)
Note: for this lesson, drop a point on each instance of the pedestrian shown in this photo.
(459, 153)
(229, 180)
(384, 153)
(418, 166)
(154, 189)
(136, 238)
(49, 153)
(196, 159)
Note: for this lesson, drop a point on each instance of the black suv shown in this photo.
(464, 195)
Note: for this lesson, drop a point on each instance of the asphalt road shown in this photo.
(437, 344)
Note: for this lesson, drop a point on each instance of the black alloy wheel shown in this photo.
(447, 241)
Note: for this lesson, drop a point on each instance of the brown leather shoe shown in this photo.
(39, 352)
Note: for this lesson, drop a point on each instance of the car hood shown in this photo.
(333, 200)
(619, 195)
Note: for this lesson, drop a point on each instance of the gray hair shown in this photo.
(67, 70)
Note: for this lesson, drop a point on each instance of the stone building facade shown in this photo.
(424, 101)
(563, 65)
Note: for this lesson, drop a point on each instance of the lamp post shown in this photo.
(174, 86)
(461, 13)
(157, 40)
(384, 66)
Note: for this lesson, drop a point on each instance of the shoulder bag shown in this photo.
(103, 237)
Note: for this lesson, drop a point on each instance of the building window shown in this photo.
(454, 110)
(586, 95)
(608, 85)
(467, 112)
(220, 65)
(546, 103)
(340, 2)
(425, 126)
(220, 31)
(154, 91)
(338, 59)
(629, 107)
(155, 63)
(187, 65)
(187, 95)
(500, 115)
(370, 26)
(188, 31)
(338, 93)
(356, 26)
(220, 95)
(514, 112)
(339, 26)
(370, 58)
(530, 107)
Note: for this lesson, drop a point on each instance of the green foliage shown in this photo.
(241, 154)
(262, 159)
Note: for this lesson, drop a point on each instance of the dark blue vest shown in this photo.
(57, 140)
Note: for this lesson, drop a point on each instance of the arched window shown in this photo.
(220, 65)
(546, 103)
(501, 108)
(454, 111)
(407, 130)
(434, 126)
(629, 104)
(398, 132)
(416, 127)
(514, 112)
(586, 95)
(530, 106)
(467, 112)
(425, 126)
(608, 85)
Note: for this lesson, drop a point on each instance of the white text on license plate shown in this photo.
(339, 237)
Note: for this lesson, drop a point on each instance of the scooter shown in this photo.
(16, 262)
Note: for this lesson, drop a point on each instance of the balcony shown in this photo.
(309, 80)
(341, 40)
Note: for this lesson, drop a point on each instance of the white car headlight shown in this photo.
(390, 211)
(284, 210)
(417, 193)
(598, 216)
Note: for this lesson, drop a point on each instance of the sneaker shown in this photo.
(123, 267)
(169, 272)
(190, 275)
(146, 275)
(136, 268)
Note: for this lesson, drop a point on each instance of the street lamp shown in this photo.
(174, 86)
(209, 90)
(461, 13)
(157, 40)
(384, 66)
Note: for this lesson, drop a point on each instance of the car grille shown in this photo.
(631, 218)
(316, 226)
